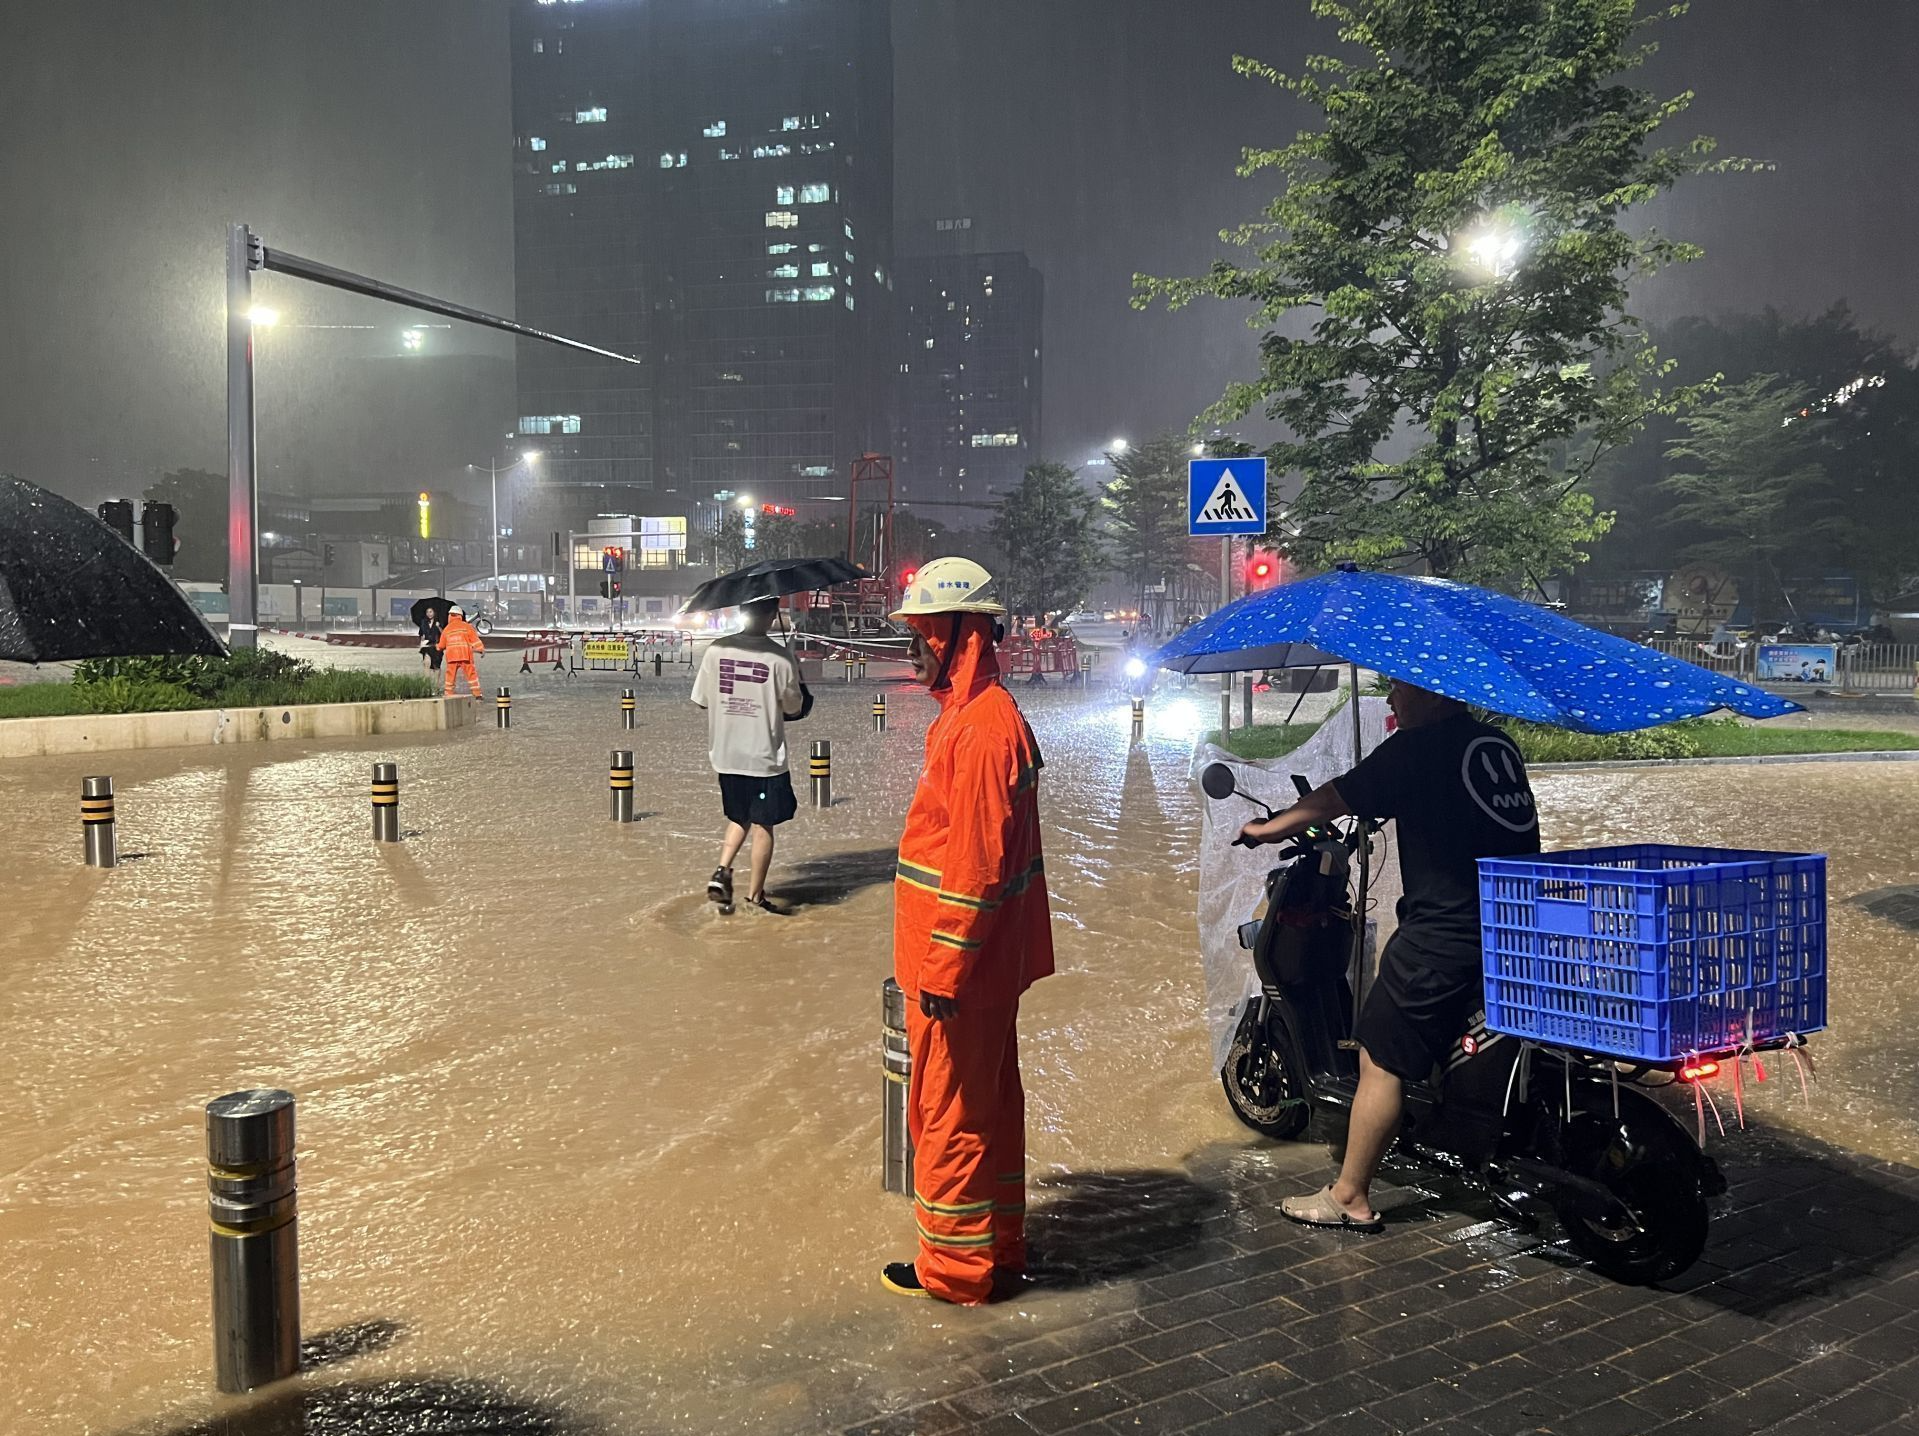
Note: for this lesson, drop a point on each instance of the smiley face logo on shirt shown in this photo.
(1494, 775)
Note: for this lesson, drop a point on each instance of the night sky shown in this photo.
(1098, 135)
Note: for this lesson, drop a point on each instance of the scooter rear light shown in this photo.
(1698, 1071)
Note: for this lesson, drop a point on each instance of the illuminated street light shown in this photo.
(262, 316)
(412, 340)
(1199, 451)
(1495, 246)
(1118, 446)
(746, 501)
(527, 456)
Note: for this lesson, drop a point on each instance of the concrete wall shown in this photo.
(113, 732)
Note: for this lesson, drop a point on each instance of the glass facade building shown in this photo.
(969, 374)
(706, 185)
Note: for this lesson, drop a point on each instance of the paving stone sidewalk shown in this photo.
(1215, 1316)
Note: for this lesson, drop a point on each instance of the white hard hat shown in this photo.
(456, 610)
(949, 585)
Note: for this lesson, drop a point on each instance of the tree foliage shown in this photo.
(1442, 282)
(1047, 535)
(1750, 479)
(1146, 511)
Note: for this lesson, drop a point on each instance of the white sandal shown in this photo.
(1320, 1210)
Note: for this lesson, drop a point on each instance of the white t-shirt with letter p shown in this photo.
(749, 686)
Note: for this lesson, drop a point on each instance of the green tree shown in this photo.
(777, 536)
(1442, 282)
(1045, 530)
(201, 501)
(729, 541)
(1146, 512)
(1750, 478)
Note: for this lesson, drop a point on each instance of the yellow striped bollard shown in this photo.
(96, 822)
(627, 705)
(1139, 717)
(254, 1208)
(386, 802)
(820, 769)
(503, 708)
(879, 712)
(619, 782)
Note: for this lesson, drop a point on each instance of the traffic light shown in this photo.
(1262, 571)
(156, 531)
(907, 575)
(616, 589)
(606, 587)
(117, 514)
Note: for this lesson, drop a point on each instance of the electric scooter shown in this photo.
(1532, 1126)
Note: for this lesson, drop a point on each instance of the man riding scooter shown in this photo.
(1458, 790)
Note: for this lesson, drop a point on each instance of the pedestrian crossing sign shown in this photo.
(1225, 496)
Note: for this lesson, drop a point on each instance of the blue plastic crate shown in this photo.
(1654, 952)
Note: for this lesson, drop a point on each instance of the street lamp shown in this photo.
(1118, 446)
(493, 470)
(263, 316)
(1495, 245)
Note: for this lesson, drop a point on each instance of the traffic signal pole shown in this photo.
(246, 252)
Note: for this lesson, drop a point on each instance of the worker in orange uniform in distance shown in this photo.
(971, 932)
(461, 644)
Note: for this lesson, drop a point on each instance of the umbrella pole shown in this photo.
(1365, 872)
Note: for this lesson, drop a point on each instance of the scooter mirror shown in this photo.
(1217, 780)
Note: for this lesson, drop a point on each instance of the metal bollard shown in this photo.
(820, 768)
(861, 666)
(503, 708)
(879, 712)
(626, 709)
(253, 1204)
(656, 665)
(619, 782)
(96, 823)
(386, 802)
(1225, 714)
(846, 674)
(896, 1066)
(1139, 719)
(1246, 687)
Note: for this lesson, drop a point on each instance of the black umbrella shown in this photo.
(440, 606)
(771, 578)
(70, 587)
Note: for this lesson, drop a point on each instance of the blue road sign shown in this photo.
(1225, 496)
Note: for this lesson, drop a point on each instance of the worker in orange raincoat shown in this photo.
(971, 932)
(461, 644)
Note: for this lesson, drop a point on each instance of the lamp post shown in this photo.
(494, 471)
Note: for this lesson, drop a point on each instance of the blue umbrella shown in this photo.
(1483, 648)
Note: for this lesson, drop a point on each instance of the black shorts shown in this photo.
(1415, 1012)
(765, 802)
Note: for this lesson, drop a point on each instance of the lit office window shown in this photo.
(562, 189)
(716, 130)
(781, 219)
(785, 248)
(784, 271)
(822, 270)
(783, 194)
(594, 116)
(815, 193)
(666, 160)
(771, 152)
(782, 296)
(791, 122)
(611, 162)
(559, 167)
(996, 441)
(536, 143)
(819, 292)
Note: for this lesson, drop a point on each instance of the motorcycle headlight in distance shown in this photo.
(1135, 668)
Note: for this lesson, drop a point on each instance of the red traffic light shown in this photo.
(1262, 570)
(907, 575)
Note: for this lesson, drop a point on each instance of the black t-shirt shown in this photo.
(1458, 791)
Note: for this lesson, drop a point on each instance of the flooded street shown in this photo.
(565, 1124)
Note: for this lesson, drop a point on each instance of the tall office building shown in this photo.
(969, 372)
(707, 187)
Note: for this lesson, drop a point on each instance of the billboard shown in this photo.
(1798, 662)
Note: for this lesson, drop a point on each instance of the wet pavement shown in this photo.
(579, 1154)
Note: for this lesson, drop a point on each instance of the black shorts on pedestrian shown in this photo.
(1415, 1011)
(761, 802)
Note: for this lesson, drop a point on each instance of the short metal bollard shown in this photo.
(619, 782)
(1225, 713)
(386, 802)
(820, 769)
(879, 712)
(627, 706)
(1139, 719)
(96, 823)
(252, 1201)
(1246, 687)
(503, 708)
(846, 673)
(896, 1066)
(657, 660)
(861, 667)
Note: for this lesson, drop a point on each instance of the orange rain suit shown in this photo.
(971, 922)
(461, 643)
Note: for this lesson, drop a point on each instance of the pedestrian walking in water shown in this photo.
(971, 932)
(430, 630)
(462, 646)
(750, 686)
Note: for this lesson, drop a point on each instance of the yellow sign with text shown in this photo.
(602, 649)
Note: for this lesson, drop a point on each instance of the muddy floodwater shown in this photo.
(563, 1124)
